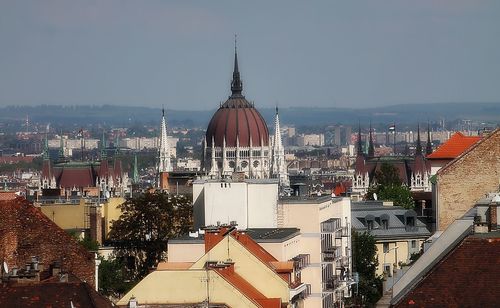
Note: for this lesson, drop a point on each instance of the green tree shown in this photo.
(112, 278)
(147, 222)
(388, 187)
(365, 261)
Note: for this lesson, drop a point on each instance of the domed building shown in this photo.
(237, 139)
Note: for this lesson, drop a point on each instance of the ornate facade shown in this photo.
(415, 172)
(237, 140)
(104, 178)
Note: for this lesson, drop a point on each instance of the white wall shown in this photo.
(251, 204)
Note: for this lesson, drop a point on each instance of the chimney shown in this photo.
(96, 224)
(492, 217)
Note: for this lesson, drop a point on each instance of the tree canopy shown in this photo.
(365, 261)
(388, 187)
(147, 222)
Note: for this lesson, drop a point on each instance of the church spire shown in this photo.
(418, 150)
(428, 146)
(371, 148)
(278, 167)
(103, 146)
(164, 155)
(135, 174)
(360, 146)
(236, 83)
(61, 148)
(46, 155)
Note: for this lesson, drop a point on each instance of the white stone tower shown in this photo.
(164, 164)
(278, 164)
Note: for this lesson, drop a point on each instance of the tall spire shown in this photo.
(360, 146)
(164, 152)
(135, 174)
(371, 148)
(418, 150)
(46, 155)
(236, 83)
(428, 146)
(61, 148)
(103, 146)
(278, 167)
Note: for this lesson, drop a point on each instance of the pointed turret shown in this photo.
(103, 147)
(46, 155)
(164, 151)
(135, 174)
(278, 167)
(61, 148)
(371, 148)
(418, 150)
(428, 146)
(236, 83)
(360, 145)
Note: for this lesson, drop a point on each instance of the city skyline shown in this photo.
(180, 54)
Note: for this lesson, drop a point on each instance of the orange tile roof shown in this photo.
(254, 248)
(246, 288)
(174, 265)
(286, 266)
(456, 145)
(7, 195)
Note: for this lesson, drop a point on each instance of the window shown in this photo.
(385, 224)
(386, 247)
(414, 244)
(387, 269)
(369, 224)
(410, 221)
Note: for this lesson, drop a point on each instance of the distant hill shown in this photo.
(300, 116)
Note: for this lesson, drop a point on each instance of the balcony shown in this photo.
(342, 262)
(301, 290)
(301, 261)
(330, 284)
(331, 225)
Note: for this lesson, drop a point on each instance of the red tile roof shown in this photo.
(7, 195)
(246, 288)
(25, 231)
(456, 145)
(51, 294)
(467, 277)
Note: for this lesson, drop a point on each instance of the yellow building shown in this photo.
(397, 231)
(234, 271)
(83, 214)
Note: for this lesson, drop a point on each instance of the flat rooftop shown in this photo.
(260, 235)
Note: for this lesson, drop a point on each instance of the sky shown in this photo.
(291, 53)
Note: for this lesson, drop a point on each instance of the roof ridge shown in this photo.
(468, 150)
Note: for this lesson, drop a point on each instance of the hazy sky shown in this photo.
(294, 53)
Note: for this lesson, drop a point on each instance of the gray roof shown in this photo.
(260, 235)
(396, 216)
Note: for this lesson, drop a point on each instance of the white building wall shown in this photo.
(251, 204)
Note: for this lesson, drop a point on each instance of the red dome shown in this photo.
(237, 118)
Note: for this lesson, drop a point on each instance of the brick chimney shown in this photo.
(492, 217)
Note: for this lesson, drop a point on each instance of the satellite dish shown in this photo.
(375, 196)
(5, 267)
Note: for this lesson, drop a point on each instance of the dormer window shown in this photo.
(384, 221)
(369, 222)
(410, 220)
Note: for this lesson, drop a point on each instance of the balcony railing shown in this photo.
(330, 284)
(301, 261)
